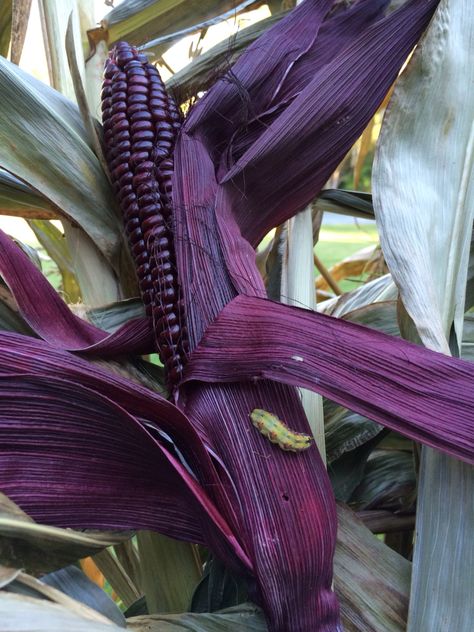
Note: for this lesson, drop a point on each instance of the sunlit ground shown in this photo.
(338, 241)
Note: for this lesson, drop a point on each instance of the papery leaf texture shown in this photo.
(38, 384)
(221, 199)
(311, 105)
(313, 81)
(51, 319)
(423, 183)
(427, 251)
(43, 142)
(422, 394)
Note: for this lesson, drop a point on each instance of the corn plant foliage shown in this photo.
(35, 606)
(293, 113)
(74, 583)
(352, 203)
(379, 290)
(424, 199)
(175, 562)
(10, 319)
(114, 315)
(468, 338)
(152, 470)
(198, 470)
(201, 72)
(18, 612)
(297, 288)
(363, 561)
(18, 199)
(160, 44)
(43, 142)
(41, 548)
(345, 430)
(49, 316)
(5, 27)
(20, 17)
(125, 587)
(279, 351)
(423, 185)
(242, 618)
(54, 243)
(140, 21)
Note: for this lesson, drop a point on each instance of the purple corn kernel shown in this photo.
(140, 125)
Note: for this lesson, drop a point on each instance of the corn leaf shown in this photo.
(18, 612)
(352, 203)
(218, 589)
(53, 241)
(297, 288)
(144, 413)
(7, 575)
(424, 198)
(138, 21)
(10, 319)
(158, 45)
(113, 316)
(379, 290)
(345, 430)
(389, 480)
(421, 394)
(372, 581)
(74, 583)
(381, 316)
(426, 236)
(43, 142)
(127, 554)
(363, 260)
(468, 339)
(117, 577)
(242, 618)
(201, 73)
(49, 317)
(5, 27)
(20, 16)
(170, 572)
(19, 200)
(348, 471)
(56, 442)
(40, 548)
(292, 107)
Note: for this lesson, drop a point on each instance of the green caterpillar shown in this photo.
(278, 432)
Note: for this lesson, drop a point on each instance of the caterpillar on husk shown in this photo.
(276, 431)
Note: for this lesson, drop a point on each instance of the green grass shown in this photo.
(338, 241)
(50, 269)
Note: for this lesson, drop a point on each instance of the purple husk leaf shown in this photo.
(286, 504)
(285, 501)
(422, 394)
(219, 216)
(51, 319)
(109, 414)
(268, 74)
(77, 453)
(313, 129)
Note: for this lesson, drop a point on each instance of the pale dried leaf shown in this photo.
(27, 614)
(371, 581)
(424, 203)
(41, 548)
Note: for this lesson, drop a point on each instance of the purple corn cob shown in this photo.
(141, 122)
